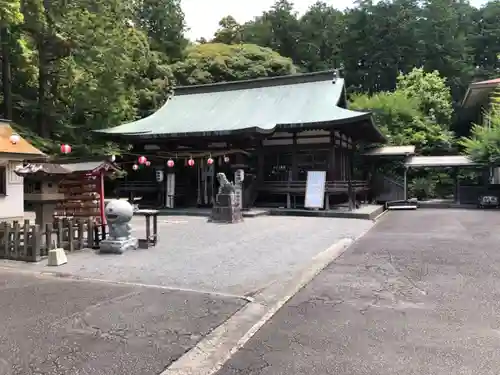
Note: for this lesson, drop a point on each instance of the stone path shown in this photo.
(418, 295)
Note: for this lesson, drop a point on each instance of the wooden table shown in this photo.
(151, 239)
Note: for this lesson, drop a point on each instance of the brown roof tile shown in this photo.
(21, 147)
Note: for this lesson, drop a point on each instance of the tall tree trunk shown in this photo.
(43, 129)
(6, 74)
(43, 75)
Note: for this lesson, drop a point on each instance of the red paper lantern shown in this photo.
(170, 163)
(210, 161)
(142, 160)
(135, 167)
(148, 163)
(65, 149)
(191, 162)
(14, 138)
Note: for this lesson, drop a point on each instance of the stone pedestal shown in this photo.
(57, 257)
(225, 210)
(118, 246)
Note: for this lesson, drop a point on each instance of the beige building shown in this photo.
(11, 185)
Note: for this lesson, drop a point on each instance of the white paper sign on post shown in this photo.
(315, 189)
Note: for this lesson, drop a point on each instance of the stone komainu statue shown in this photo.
(225, 187)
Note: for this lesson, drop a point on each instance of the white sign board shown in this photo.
(315, 189)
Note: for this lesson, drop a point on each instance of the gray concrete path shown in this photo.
(56, 326)
(239, 259)
(418, 295)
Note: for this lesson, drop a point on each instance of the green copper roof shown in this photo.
(261, 105)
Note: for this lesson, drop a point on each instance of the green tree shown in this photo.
(216, 62)
(485, 40)
(10, 15)
(278, 29)
(432, 93)
(402, 121)
(163, 21)
(229, 32)
(483, 145)
(321, 30)
(445, 29)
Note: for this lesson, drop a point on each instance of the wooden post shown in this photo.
(15, 245)
(71, 235)
(59, 234)
(148, 229)
(155, 228)
(101, 200)
(49, 229)
(26, 237)
(36, 243)
(81, 231)
(90, 234)
(4, 250)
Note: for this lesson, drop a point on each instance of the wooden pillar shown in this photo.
(405, 184)
(295, 171)
(331, 158)
(349, 181)
(456, 196)
(260, 163)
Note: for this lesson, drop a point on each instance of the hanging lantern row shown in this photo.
(190, 162)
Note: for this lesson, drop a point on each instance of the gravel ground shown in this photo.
(54, 326)
(227, 258)
(418, 295)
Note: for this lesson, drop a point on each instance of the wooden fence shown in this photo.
(31, 243)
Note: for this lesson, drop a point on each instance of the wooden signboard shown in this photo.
(315, 189)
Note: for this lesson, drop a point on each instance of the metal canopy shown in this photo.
(440, 161)
(391, 151)
(301, 101)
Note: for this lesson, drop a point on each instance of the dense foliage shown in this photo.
(71, 67)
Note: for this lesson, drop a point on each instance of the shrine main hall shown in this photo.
(275, 130)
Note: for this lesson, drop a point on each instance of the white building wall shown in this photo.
(12, 204)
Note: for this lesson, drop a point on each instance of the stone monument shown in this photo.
(118, 215)
(225, 209)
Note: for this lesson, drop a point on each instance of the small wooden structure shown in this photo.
(67, 189)
(151, 237)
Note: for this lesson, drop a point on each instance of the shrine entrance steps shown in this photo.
(365, 212)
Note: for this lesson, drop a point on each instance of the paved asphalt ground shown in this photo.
(239, 259)
(418, 295)
(55, 326)
(98, 316)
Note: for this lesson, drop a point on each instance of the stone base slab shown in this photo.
(114, 246)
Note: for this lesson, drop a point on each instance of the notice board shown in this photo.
(315, 189)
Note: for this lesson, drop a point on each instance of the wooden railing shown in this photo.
(139, 186)
(299, 187)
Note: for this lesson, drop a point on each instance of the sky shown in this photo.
(203, 16)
